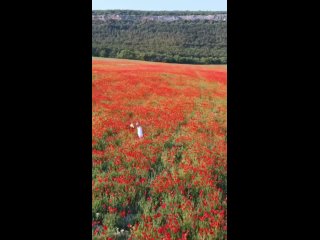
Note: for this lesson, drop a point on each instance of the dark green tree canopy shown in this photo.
(143, 35)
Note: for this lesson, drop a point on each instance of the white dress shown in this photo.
(139, 130)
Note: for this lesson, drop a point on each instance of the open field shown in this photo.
(215, 66)
(172, 183)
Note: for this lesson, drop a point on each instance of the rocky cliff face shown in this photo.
(104, 18)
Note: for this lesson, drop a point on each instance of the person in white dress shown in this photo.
(139, 130)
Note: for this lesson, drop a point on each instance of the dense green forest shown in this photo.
(131, 35)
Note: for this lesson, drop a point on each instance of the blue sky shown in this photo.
(209, 5)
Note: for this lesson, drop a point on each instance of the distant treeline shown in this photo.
(155, 13)
(198, 41)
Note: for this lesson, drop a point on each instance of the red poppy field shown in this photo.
(172, 183)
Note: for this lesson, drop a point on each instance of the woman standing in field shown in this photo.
(139, 130)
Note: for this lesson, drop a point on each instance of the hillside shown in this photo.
(163, 36)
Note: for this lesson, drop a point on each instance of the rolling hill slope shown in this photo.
(173, 36)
